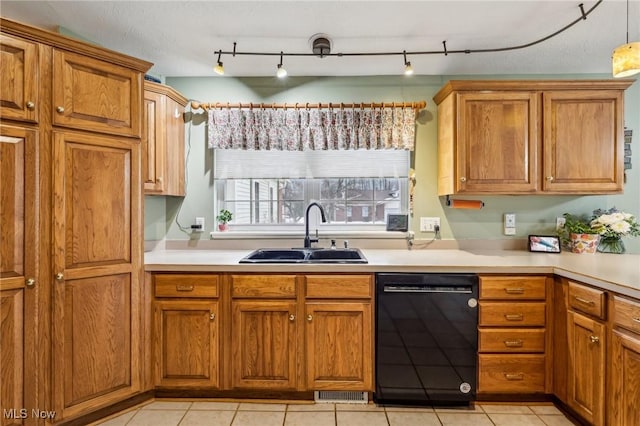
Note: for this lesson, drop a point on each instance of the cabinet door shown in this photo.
(174, 163)
(186, 343)
(625, 380)
(153, 143)
(97, 271)
(583, 141)
(339, 352)
(263, 341)
(497, 142)
(18, 289)
(93, 95)
(19, 75)
(587, 348)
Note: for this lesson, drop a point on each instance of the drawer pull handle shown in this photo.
(514, 317)
(594, 339)
(514, 290)
(184, 287)
(517, 343)
(584, 301)
(636, 319)
(511, 376)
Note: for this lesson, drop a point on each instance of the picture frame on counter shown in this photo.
(544, 243)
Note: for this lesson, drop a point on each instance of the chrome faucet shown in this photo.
(307, 239)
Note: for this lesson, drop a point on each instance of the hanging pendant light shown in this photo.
(626, 58)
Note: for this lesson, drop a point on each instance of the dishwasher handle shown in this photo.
(421, 288)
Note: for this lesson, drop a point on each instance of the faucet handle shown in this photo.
(333, 244)
(346, 243)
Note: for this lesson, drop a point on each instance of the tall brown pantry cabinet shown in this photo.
(70, 286)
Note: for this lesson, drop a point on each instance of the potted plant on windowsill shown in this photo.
(578, 235)
(223, 219)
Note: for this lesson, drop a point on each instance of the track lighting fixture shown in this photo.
(321, 47)
(281, 72)
(408, 69)
(219, 69)
(626, 58)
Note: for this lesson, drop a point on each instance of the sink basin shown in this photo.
(345, 255)
(302, 255)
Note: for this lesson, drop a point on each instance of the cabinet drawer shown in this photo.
(186, 285)
(511, 373)
(342, 286)
(518, 314)
(588, 300)
(263, 286)
(626, 314)
(521, 287)
(519, 340)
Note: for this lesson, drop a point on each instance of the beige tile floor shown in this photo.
(212, 413)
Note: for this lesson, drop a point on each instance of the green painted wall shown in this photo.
(535, 214)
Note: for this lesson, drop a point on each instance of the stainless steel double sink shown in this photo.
(305, 255)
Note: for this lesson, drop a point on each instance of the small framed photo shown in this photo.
(544, 243)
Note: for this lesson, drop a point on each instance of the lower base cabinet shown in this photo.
(186, 343)
(587, 351)
(263, 344)
(263, 332)
(339, 345)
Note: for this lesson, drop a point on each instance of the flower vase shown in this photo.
(584, 243)
(611, 245)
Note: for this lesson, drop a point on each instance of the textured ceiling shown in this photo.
(181, 37)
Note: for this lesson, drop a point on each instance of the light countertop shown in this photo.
(619, 273)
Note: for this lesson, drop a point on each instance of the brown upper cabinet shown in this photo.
(531, 137)
(19, 74)
(163, 140)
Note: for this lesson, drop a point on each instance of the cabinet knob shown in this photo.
(594, 339)
(159, 179)
(60, 109)
(31, 105)
(292, 317)
(59, 276)
(30, 282)
(309, 317)
(212, 316)
(550, 178)
(463, 179)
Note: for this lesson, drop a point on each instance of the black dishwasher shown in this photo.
(426, 338)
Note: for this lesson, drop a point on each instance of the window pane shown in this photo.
(360, 189)
(332, 189)
(291, 189)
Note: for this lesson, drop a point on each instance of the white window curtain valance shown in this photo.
(312, 129)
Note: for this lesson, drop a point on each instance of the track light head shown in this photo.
(281, 72)
(408, 69)
(219, 68)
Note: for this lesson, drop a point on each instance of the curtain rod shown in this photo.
(306, 105)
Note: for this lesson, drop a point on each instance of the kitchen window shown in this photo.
(268, 191)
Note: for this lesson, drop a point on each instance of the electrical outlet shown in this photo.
(560, 221)
(428, 224)
(509, 224)
(199, 224)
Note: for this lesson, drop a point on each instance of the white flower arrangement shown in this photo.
(613, 223)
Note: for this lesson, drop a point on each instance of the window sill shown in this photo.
(275, 235)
